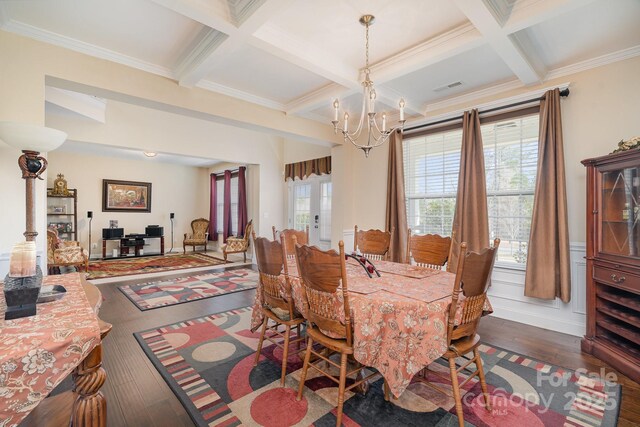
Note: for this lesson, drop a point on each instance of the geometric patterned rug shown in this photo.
(189, 288)
(128, 266)
(208, 363)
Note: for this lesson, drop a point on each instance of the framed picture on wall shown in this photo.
(126, 196)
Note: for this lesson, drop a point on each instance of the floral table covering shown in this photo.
(399, 319)
(38, 352)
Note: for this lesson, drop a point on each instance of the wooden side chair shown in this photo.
(199, 235)
(239, 244)
(322, 273)
(276, 307)
(428, 250)
(62, 253)
(472, 279)
(302, 238)
(374, 244)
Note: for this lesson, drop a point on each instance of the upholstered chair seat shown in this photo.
(239, 244)
(61, 253)
(199, 235)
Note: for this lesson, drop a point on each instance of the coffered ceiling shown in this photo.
(296, 56)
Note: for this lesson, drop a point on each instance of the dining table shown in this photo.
(399, 318)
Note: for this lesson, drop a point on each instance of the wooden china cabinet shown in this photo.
(613, 261)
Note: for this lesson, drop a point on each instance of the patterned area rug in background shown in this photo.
(208, 363)
(129, 266)
(190, 288)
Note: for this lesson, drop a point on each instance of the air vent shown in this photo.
(447, 87)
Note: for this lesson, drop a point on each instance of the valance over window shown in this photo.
(302, 170)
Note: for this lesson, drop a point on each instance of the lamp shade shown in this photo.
(31, 137)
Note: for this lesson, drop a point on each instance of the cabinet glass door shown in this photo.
(620, 212)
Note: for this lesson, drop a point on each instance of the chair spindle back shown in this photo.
(472, 279)
(428, 250)
(322, 274)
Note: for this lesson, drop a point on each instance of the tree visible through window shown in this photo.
(432, 166)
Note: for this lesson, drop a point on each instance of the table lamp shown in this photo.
(31, 139)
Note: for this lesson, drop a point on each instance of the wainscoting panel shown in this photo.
(509, 302)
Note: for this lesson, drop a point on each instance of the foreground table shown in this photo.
(399, 319)
(38, 352)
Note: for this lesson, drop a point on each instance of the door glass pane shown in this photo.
(620, 212)
(325, 211)
(301, 206)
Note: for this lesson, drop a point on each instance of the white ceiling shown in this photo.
(101, 150)
(296, 56)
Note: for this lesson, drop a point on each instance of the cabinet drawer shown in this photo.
(617, 278)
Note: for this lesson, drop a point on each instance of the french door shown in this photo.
(310, 204)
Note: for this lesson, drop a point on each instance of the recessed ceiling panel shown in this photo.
(597, 29)
(331, 28)
(254, 71)
(459, 74)
(137, 28)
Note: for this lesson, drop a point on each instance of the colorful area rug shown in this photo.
(190, 288)
(208, 363)
(129, 266)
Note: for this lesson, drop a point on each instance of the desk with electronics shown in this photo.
(131, 245)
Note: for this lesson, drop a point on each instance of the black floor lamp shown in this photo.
(90, 216)
(171, 215)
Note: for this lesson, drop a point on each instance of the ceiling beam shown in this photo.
(483, 16)
(224, 35)
(427, 53)
(527, 14)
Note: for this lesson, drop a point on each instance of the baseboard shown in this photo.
(545, 322)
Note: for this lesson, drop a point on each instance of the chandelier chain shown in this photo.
(366, 66)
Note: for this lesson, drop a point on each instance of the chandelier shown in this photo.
(377, 134)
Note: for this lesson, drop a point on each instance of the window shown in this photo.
(432, 166)
(325, 211)
(511, 161)
(220, 205)
(301, 206)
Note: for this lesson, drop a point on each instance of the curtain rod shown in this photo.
(564, 93)
(230, 170)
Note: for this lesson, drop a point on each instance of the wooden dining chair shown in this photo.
(276, 307)
(302, 238)
(373, 244)
(428, 250)
(472, 280)
(322, 273)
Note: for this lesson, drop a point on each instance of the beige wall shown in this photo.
(296, 151)
(174, 188)
(601, 110)
(130, 126)
(26, 64)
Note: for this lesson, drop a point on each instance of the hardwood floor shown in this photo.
(138, 396)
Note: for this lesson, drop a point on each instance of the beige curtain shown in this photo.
(396, 216)
(321, 166)
(471, 220)
(548, 275)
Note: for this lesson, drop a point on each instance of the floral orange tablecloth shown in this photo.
(38, 352)
(399, 319)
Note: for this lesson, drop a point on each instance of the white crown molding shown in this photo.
(82, 47)
(568, 70)
(432, 50)
(599, 61)
(235, 93)
(492, 104)
(243, 9)
(203, 49)
(472, 96)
